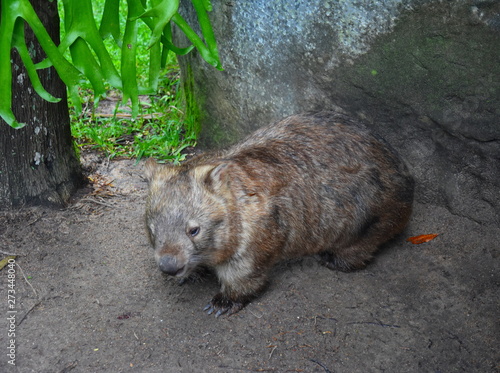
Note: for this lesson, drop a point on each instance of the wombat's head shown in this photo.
(187, 216)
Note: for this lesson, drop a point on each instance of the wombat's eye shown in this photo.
(194, 231)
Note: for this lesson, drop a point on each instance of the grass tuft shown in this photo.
(162, 130)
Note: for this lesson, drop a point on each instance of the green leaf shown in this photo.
(80, 23)
(129, 46)
(207, 5)
(85, 62)
(163, 12)
(110, 22)
(7, 21)
(154, 65)
(22, 49)
(12, 35)
(167, 42)
(205, 52)
(200, 6)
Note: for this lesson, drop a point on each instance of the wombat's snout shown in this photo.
(170, 265)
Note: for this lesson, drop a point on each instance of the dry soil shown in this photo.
(89, 298)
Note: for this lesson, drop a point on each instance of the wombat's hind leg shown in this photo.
(352, 259)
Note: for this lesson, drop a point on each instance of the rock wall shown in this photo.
(425, 74)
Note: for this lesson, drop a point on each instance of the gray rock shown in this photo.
(424, 74)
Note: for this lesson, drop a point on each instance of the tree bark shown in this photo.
(38, 163)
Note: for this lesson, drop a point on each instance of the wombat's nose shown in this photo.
(169, 265)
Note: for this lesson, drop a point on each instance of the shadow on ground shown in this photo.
(95, 301)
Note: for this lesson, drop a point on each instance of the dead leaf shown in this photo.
(421, 238)
(101, 185)
(5, 261)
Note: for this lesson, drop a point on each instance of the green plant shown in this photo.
(161, 130)
(89, 55)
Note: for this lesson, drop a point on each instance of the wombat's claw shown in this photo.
(209, 308)
(220, 312)
(221, 305)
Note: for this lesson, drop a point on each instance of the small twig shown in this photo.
(324, 318)
(86, 199)
(69, 367)
(256, 315)
(8, 254)
(28, 312)
(35, 220)
(126, 115)
(321, 365)
(225, 367)
(26, 279)
(271, 354)
(374, 323)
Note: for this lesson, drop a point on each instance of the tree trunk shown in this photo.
(38, 163)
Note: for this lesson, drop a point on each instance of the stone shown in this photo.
(424, 74)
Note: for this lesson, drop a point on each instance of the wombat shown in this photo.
(309, 184)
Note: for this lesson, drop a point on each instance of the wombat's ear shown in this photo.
(151, 167)
(154, 170)
(213, 176)
(220, 174)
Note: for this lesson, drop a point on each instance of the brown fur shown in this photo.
(310, 184)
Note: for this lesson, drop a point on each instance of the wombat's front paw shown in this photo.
(221, 305)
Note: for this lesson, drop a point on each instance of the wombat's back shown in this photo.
(332, 186)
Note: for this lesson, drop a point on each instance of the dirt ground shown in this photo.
(93, 299)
